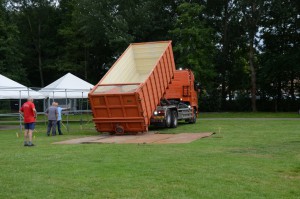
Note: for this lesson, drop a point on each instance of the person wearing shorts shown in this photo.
(29, 114)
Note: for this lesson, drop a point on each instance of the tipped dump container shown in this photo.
(125, 98)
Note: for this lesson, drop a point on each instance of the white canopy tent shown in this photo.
(68, 86)
(10, 89)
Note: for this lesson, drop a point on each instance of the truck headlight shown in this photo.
(155, 113)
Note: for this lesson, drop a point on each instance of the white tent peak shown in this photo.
(68, 86)
(10, 89)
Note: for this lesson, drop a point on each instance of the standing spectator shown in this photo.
(52, 114)
(59, 110)
(29, 113)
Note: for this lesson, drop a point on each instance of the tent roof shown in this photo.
(68, 86)
(10, 89)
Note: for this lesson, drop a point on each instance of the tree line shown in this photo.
(245, 54)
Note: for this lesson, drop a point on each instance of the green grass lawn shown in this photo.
(250, 115)
(244, 159)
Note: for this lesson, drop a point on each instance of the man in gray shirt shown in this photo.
(52, 114)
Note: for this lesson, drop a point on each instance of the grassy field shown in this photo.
(244, 159)
(250, 115)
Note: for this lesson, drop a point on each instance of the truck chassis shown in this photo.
(170, 112)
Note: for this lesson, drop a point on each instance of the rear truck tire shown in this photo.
(194, 119)
(174, 119)
(168, 119)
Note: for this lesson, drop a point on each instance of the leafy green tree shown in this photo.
(194, 42)
(252, 13)
(149, 20)
(10, 49)
(95, 33)
(280, 74)
(223, 16)
(37, 20)
(194, 48)
(74, 49)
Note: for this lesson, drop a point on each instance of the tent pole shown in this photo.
(48, 105)
(45, 110)
(69, 111)
(81, 110)
(20, 118)
(87, 110)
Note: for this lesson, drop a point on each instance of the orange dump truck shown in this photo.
(143, 88)
(125, 98)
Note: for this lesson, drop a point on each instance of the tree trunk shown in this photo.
(253, 73)
(224, 54)
(37, 46)
(40, 69)
(85, 62)
(279, 94)
(40, 55)
(252, 13)
(292, 91)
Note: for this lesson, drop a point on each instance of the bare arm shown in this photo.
(34, 112)
(65, 108)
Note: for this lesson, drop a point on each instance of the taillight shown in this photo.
(162, 112)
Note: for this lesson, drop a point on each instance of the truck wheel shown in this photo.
(194, 119)
(174, 119)
(168, 119)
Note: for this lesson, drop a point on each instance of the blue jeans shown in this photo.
(51, 125)
(59, 127)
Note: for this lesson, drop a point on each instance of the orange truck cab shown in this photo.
(180, 101)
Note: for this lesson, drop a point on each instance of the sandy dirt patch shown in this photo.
(146, 138)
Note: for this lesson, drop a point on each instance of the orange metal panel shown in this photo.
(156, 82)
(160, 80)
(165, 66)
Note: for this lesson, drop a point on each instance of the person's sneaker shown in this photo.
(30, 144)
(61, 134)
(25, 144)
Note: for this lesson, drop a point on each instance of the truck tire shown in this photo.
(174, 119)
(168, 119)
(194, 119)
